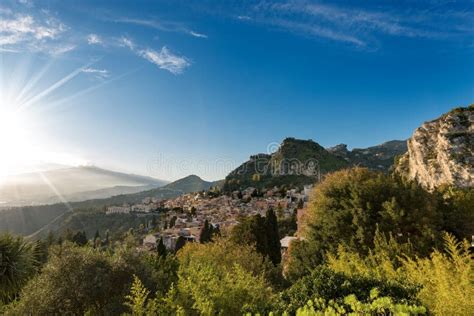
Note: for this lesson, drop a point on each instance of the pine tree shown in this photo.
(273, 238)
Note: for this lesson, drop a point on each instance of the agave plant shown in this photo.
(18, 262)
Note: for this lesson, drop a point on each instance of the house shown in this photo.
(285, 242)
(125, 209)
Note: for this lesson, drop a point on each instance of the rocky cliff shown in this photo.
(380, 157)
(441, 151)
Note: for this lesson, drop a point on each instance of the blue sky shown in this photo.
(170, 88)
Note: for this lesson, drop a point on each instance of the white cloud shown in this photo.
(165, 26)
(20, 32)
(93, 39)
(61, 49)
(196, 34)
(165, 59)
(99, 73)
(126, 42)
(244, 17)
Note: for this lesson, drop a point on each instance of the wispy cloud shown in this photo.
(93, 39)
(165, 26)
(25, 32)
(165, 59)
(126, 42)
(196, 34)
(98, 73)
(362, 27)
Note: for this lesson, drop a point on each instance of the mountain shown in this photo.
(72, 184)
(380, 157)
(295, 163)
(298, 162)
(441, 151)
(40, 219)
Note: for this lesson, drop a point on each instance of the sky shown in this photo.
(172, 88)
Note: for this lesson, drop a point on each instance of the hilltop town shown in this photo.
(185, 216)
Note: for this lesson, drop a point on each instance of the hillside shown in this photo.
(298, 162)
(441, 151)
(72, 183)
(27, 220)
(380, 157)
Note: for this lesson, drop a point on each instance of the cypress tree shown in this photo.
(161, 249)
(273, 238)
(205, 235)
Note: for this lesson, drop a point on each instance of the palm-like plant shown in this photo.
(18, 262)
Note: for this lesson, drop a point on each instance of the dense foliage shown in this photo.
(372, 244)
(260, 232)
(18, 263)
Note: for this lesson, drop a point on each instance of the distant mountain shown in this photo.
(441, 152)
(380, 157)
(72, 184)
(40, 219)
(298, 162)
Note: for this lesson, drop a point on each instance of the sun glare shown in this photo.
(15, 148)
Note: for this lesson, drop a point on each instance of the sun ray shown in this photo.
(52, 88)
(33, 81)
(57, 103)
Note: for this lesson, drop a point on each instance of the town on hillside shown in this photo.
(183, 219)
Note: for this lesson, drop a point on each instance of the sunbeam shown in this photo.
(52, 88)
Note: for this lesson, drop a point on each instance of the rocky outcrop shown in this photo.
(378, 158)
(441, 151)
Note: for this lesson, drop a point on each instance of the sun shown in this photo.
(15, 147)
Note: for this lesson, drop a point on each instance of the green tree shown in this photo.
(223, 278)
(206, 233)
(80, 238)
(260, 232)
(445, 278)
(349, 204)
(273, 237)
(78, 280)
(137, 298)
(324, 283)
(161, 248)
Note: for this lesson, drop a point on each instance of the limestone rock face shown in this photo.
(442, 151)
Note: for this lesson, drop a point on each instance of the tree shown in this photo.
(206, 233)
(222, 278)
(444, 278)
(260, 232)
(78, 280)
(273, 238)
(251, 231)
(137, 298)
(324, 283)
(161, 249)
(349, 205)
(180, 243)
(80, 238)
(18, 263)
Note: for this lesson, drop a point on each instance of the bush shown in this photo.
(445, 278)
(329, 285)
(223, 278)
(77, 280)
